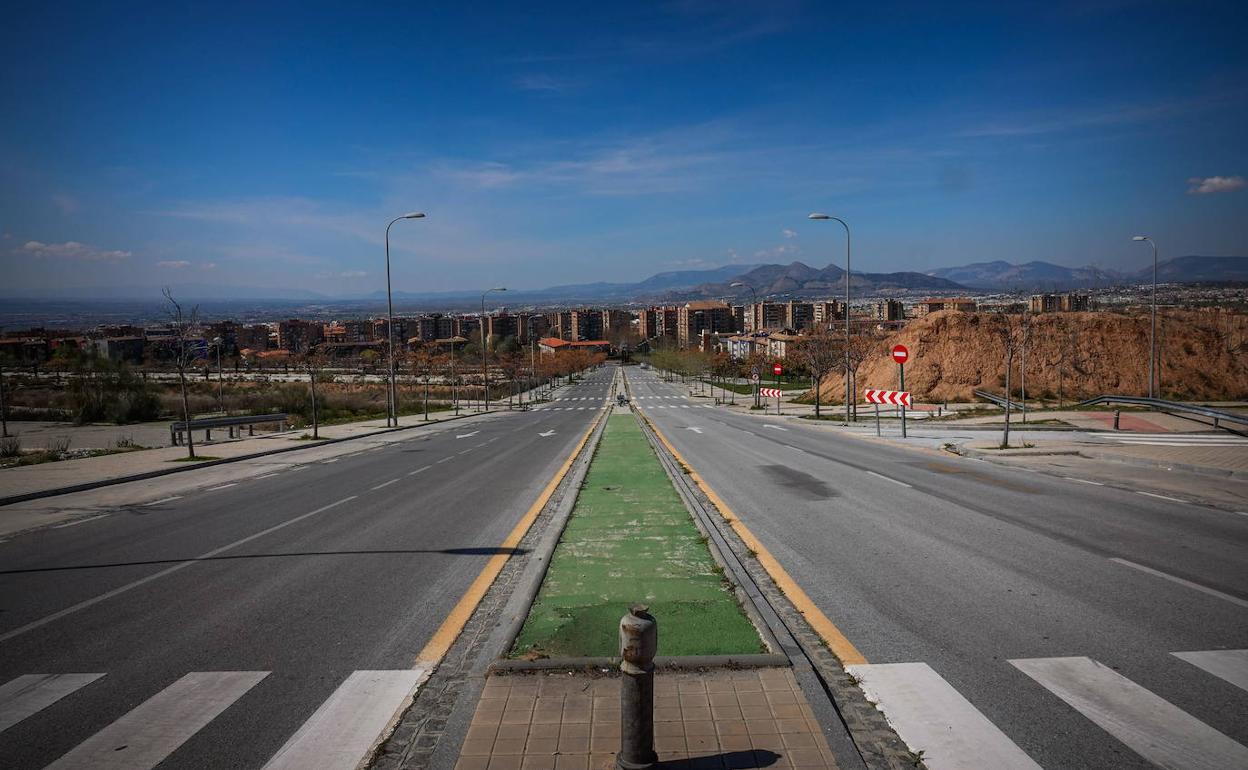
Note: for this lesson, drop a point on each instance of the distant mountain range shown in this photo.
(796, 280)
(1046, 276)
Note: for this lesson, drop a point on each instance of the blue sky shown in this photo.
(222, 145)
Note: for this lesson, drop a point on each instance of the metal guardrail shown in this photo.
(998, 400)
(206, 424)
(1216, 415)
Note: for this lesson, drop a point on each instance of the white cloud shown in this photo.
(71, 250)
(1214, 184)
(173, 264)
(787, 233)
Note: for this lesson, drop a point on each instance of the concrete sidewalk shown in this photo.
(710, 720)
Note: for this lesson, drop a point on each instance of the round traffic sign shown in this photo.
(777, 370)
(754, 376)
(900, 354)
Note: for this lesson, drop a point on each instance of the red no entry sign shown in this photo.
(778, 370)
(900, 354)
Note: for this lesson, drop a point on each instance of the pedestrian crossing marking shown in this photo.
(1174, 439)
(31, 693)
(932, 717)
(1231, 665)
(154, 729)
(1150, 726)
(347, 725)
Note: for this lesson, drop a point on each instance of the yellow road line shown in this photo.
(454, 623)
(841, 647)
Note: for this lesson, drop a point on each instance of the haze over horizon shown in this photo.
(270, 146)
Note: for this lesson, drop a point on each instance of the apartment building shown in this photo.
(694, 318)
(765, 315)
(889, 310)
(936, 304)
(298, 336)
(586, 325)
(1059, 303)
(798, 315)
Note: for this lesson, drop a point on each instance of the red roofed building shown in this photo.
(554, 344)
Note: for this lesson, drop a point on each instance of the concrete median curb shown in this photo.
(89, 485)
(1094, 454)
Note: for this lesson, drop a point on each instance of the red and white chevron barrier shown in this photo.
(770, 392)
(891, 397)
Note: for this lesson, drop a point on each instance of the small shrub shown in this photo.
(59, 445)
(11, 446)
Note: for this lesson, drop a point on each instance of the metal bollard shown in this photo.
(1117, 414)
(639, 641)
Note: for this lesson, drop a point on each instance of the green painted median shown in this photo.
(631, 540)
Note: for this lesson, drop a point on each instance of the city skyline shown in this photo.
(555, 148)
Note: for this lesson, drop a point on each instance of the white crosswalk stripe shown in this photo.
(1150, 726)
(932, 717)
(32, 693)
(344, 728)
(1231, 665)
(157, 727)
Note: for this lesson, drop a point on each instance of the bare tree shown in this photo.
(313, 363)
(862, 346)
(181, 325)
(820, 354)
(1012, 340)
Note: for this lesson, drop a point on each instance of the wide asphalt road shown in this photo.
(1007, 618)
(211, 628)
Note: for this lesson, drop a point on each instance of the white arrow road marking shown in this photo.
(774, 427)
(466, 435)
(695, 430)
(547, 433)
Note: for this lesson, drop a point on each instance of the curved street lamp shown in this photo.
(393, 417)
(1152, 334)
(848, 392)
(485, 369)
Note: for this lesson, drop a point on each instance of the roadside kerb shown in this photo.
(89, 485)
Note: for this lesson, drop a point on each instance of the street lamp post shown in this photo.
(848, 392)
(393, 417)
(1152, 334)
(485, 368)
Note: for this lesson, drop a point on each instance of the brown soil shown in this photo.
(952, 354)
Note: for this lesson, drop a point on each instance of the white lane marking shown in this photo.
(81, 521)
(419, 470)
(1083, 481)
(223, 486)
(294, 468)
(1160, 497)
(443, 460)
(932, 717)
(162, 500)
(1231, 665)
(1150, 726)
(267, 476)
(330, 460)
(466, 435)
(547, 434)
(156, 727)
(385, 484)
(466, 451)
(349, 722)
(32, 693)
(694, 429)
(796, 449)
(1181, 581)
(82, 605)
(886, 478)
(773, 427)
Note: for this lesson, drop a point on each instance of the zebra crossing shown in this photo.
(932, 717)
(1174, 439)
(338, 735)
